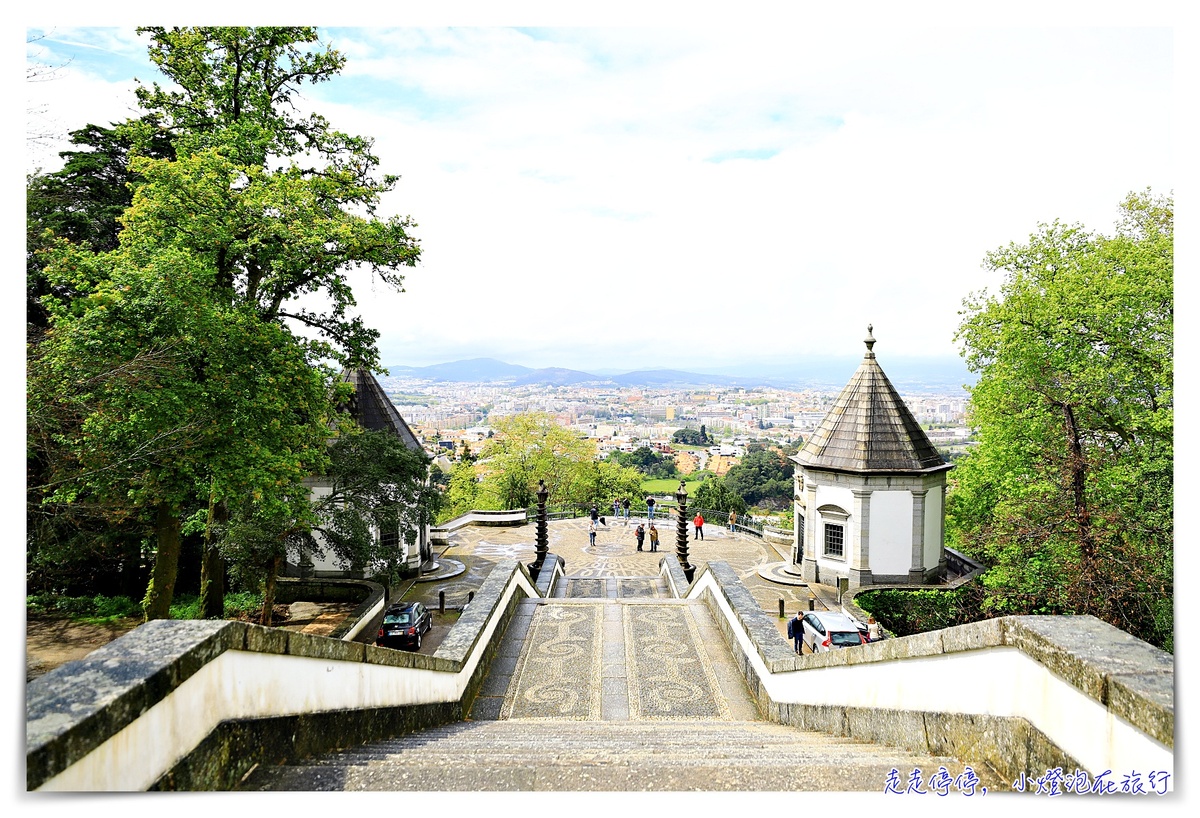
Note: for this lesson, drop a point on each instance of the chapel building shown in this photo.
(869, 490)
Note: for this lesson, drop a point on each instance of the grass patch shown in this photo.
(668, 485)
(101, 610)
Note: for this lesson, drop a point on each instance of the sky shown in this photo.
(705, 193)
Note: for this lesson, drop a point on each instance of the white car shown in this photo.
(826, 630)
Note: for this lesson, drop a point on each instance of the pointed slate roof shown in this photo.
(372, 409)
(870, 429)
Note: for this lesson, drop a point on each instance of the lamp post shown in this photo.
(681, 535)
(543, 536)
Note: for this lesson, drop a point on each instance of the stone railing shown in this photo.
(1021, 694)
(441, 533)
(196, 705)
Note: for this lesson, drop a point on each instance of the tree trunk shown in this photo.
(269, 590)
(157, 603)
(1078, 475)
(212, 567)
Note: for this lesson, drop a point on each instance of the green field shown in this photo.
(669, 485)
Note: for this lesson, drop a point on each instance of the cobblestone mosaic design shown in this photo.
(586, 588)
(637, 588)
(556, 674)
(670, 676)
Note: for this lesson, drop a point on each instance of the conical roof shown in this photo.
(870, 429)
(372, 409)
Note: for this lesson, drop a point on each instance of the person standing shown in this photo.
(640, 533)
(616, 508)
(732, 519)
(650, 509)
(699, 523)
(595, 513)
(592, 533)
(796, 631)
(653, 537)
(625, 506)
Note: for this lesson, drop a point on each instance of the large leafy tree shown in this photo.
(150, 395)
(1069, 496)
(257, 209)
(531, 446)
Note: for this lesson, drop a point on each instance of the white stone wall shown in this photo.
(844, 499)
(890, 544)
(933, 526)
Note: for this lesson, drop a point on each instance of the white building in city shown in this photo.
(869, 490)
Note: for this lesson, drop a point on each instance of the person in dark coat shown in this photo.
(796, 631)
(640, 533)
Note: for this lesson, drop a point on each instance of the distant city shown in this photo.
(450, 404)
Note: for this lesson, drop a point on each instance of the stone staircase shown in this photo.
(533, 755)
(611, 686)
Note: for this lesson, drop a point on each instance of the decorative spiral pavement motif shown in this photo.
(670, 674)
(554, 676)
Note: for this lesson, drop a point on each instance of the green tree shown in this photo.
(148, 398)
(715, 495)
(1069, 495)
(528, 447)
(261, 208)
(762, 477)
(377, 492)
(462, 495)
(648, 462)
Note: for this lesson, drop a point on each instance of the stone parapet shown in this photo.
(185, 703)
(1022, 694)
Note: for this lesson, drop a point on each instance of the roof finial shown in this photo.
(870, 342)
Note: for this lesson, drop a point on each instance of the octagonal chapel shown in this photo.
(870, 490)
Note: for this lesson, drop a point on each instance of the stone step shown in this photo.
(531, 755)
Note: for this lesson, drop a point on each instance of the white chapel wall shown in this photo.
(933, 527)
(890, 542)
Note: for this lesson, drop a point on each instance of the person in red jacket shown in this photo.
(699, 523)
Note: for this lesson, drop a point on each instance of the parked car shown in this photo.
(403, 625)
(826, 630)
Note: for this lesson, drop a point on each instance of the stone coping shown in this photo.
(77, 706)
(1132, 678)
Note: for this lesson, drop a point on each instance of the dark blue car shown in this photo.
(403, 625)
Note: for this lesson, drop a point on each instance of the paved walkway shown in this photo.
(615, 554)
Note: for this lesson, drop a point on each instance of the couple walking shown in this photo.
(640, 533)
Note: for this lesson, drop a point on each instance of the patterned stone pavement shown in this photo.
(614, 555)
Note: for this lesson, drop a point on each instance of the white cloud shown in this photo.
(571, 208)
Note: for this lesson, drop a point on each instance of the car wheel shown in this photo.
(418, 641)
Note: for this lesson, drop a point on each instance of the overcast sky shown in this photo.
(697, 197)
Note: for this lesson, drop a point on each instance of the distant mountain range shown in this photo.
(911, 374)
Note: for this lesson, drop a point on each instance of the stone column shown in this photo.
(859, 557)
(809, 569)
(916, 573)
(797, 515)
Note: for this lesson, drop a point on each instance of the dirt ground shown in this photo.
(51, 640)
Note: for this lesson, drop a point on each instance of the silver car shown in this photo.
(826, 630)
